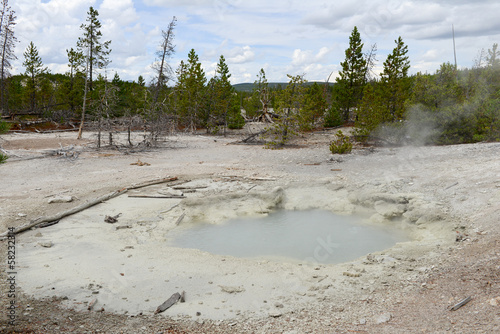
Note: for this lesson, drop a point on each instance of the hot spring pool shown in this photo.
(305, 236)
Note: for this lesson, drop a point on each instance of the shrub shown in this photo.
(341, 145)
(333, 117)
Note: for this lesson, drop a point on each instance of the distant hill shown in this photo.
(248, 87)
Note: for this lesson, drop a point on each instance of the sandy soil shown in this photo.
(440, 195)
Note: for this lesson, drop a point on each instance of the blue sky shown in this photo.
(283, 36)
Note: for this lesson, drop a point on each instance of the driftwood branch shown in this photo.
(461, 303)
(155, 196)
(81, 207)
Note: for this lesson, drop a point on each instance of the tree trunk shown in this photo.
(80, 129)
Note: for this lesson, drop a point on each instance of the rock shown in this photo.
(47, 244)
(38, 235)
(278, 305)
(231, 289)
(22, 214)
(362, 321)
(274, 314)
(383, 318)
(60, 199)
(494, 301)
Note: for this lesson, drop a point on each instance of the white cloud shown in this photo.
(241, 55)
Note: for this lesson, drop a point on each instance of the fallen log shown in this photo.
(81, 207)
(168, 303)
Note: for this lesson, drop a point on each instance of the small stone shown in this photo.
(231, 289)
(38, 235)
(22, 214)
(46, 244)
(362, 321)
(198, 314)
(60, 199)
(383, 318)
(275, 314)
(494, 301)
(278, 305)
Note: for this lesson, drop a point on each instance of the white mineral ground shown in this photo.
(130, 267)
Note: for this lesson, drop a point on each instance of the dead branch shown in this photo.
(180, 219)
(151, 183)
(461, 303)
(155, 196)
(251, 137)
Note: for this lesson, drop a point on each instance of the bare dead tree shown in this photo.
(161, 66)
(370, 58)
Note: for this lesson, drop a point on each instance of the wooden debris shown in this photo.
(183, 297)
(336, 169)
(112, 219)
(189, 187)
(313, 164)
(156, 196)
(152, 183)
(140, 163)
(251, 138)
(179, 220)
(92, 304)
(43, 225)
(461, 303)
(168, 303)
(121, 227)
(261, 178)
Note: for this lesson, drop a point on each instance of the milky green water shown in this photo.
(308, 236)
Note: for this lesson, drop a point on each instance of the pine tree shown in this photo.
(90, 45)
(395, 81)
(190, 91)
(314, 107)
(289, 103)
(73, 89)
(34, 69)
(223, 93)
(352, 77)
(95, 52)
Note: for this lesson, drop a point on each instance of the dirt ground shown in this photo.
(448, 196)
